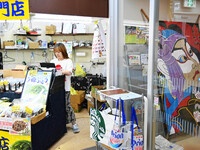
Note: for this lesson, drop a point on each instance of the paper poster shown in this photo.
(144, 59)
(67, 28)
(144, 70)
(15, 133)
(134, 59)
(36, 87)
(137, 35)
(99, 43)
(180, 97)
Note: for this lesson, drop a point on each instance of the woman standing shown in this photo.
(65, 62)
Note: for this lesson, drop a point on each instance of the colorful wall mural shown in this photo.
(179, 74)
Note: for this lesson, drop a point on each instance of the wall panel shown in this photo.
(92, 8)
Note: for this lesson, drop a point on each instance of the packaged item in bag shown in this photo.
(79, 72)
(117, 137)
(136, 137)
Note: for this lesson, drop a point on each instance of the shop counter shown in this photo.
(46, 132)
(50, 129)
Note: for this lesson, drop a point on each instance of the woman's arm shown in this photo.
(66, 72)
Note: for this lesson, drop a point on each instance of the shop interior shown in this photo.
(124, 69)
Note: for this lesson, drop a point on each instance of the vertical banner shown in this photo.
(14, 9)
(99, 43)
(178, 53)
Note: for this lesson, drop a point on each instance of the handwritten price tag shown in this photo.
(28, 110)
(16, 108)
(33, 72)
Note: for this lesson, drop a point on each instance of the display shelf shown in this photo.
(71, 34)
(76, 47)
(27, 49)
(50, 129)
(11, 95)
(27, 34)
(84, 47)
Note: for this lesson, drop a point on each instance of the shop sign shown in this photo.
(190, 3)
(14, 9)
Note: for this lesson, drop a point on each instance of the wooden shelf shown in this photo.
(73, 34)
(26, 49)
(83, 47)
(27, 34)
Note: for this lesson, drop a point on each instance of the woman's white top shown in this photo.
(66, 64)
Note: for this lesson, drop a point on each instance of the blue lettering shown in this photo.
(5, 5)
(17, 8)
(138, 143)
(4, 144)
(117, 135)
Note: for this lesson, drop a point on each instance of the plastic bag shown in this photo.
(79, 72)
(117, 137)
(73, 91)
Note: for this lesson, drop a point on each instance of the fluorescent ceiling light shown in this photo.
(61, 18)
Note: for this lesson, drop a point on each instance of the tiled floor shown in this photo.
(79, 141)
(82, 140)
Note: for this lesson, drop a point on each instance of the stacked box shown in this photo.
(8, 43)
(33, 45)
(90, 101)
(99, 87)
(77, 100)
(50, 29)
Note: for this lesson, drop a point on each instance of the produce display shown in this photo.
(11, 84)
(21, 145)
(17, 115)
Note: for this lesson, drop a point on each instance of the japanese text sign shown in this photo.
(14, 9)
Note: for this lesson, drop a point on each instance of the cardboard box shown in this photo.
(99, 87)
(78, 99)
(21, 67)
(90, 104)
(76, 107)
(50, 29)
(33, 45)
(14, 74)
(8, 43)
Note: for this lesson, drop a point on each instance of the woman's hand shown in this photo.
(66, 72)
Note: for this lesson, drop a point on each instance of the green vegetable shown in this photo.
(21, 145)
(36, 89)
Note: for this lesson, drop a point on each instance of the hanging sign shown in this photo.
(190, 3)
(99, 43)
(14, 9)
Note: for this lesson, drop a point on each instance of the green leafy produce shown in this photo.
(37, 89)
(21, 145)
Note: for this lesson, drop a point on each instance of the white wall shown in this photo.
(40, 22)
(132, 10)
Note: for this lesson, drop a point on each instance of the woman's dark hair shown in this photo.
(61, 48)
